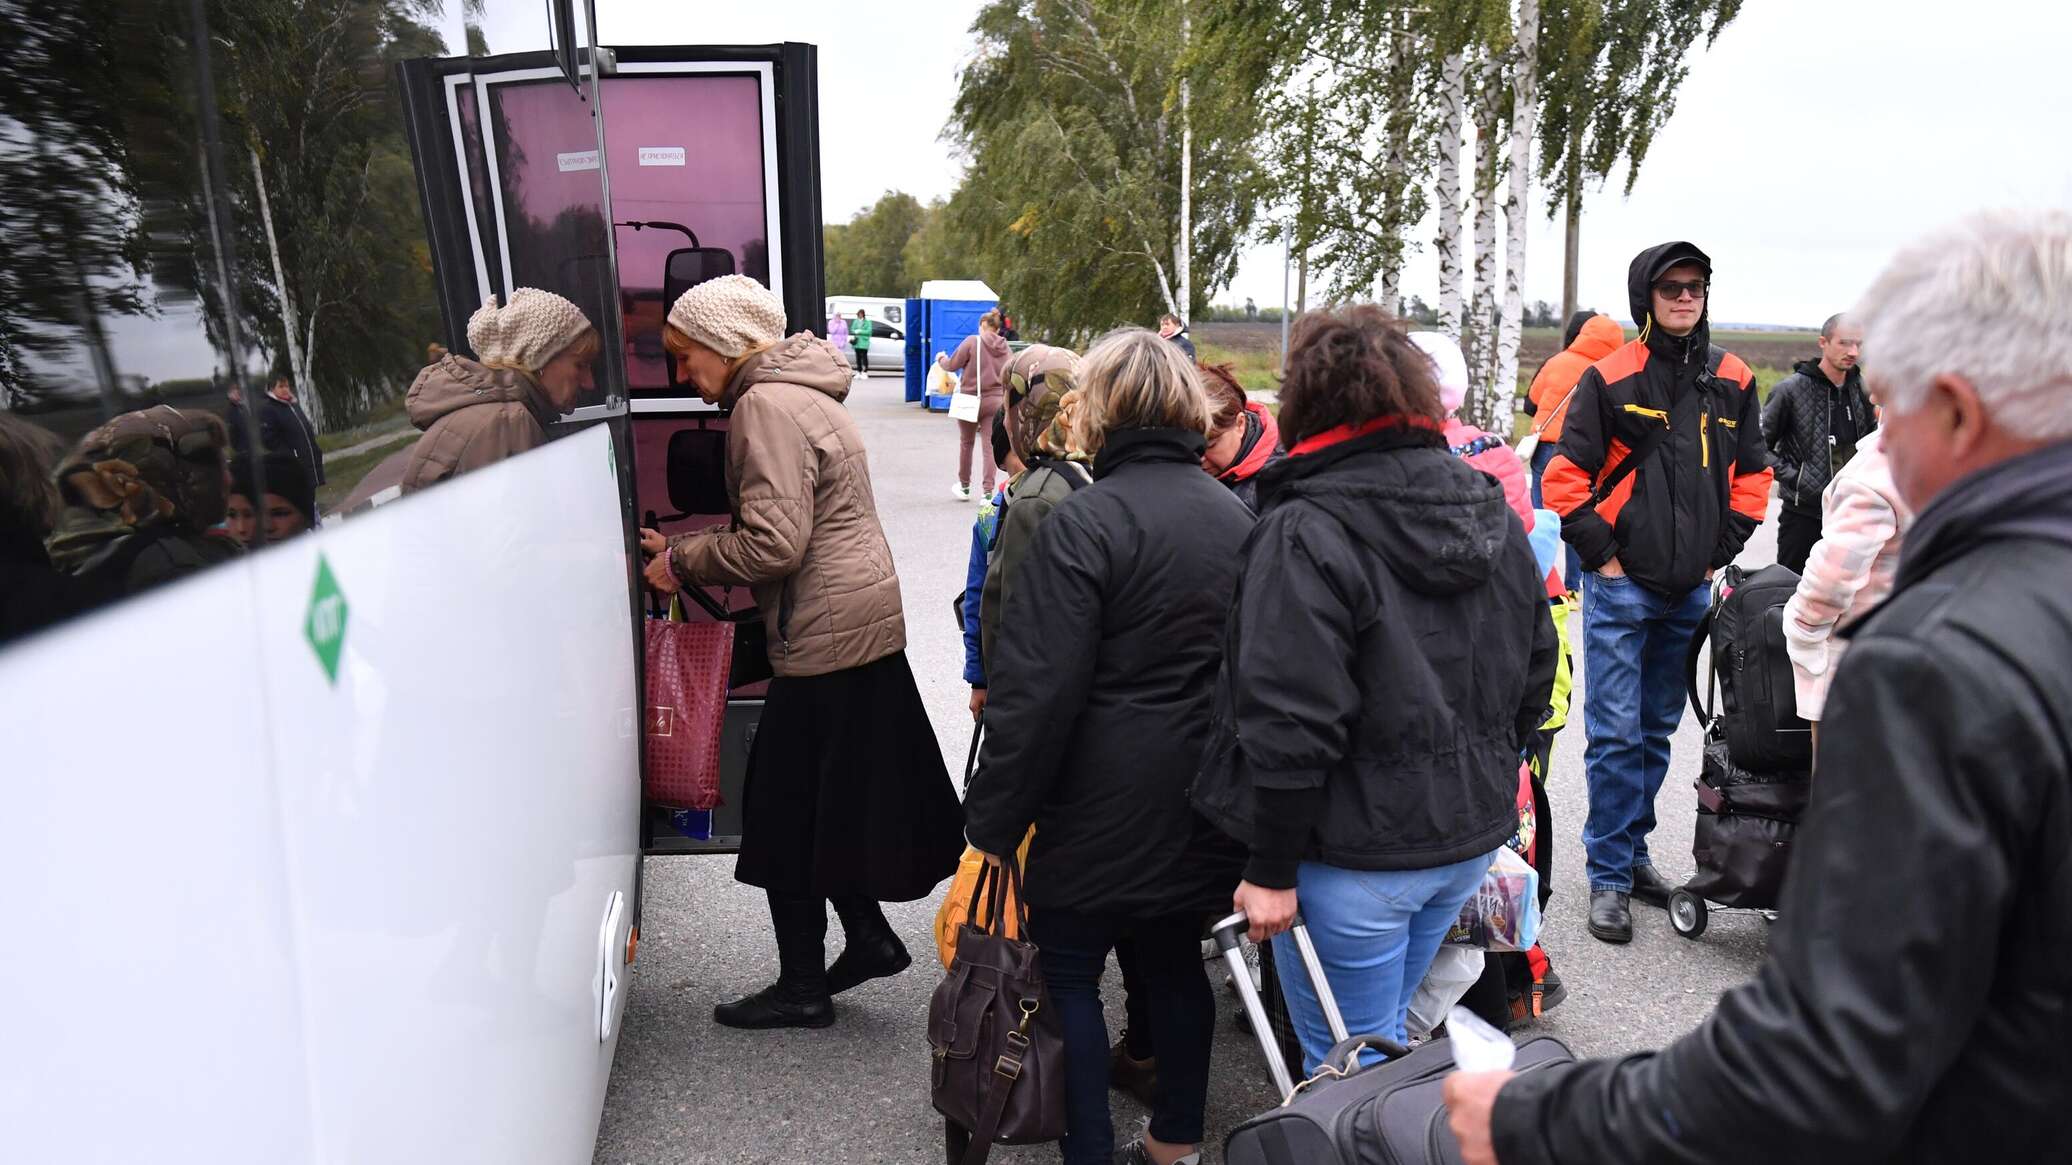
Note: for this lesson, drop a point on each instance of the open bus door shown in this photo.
(710, 166)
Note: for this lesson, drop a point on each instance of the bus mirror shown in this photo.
(697, 472)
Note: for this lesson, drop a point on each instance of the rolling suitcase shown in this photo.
(1388, 1114)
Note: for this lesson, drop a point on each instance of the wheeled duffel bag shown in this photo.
(1746, 822)
(1391, 1113)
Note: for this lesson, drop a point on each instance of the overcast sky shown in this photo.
(1814, 138)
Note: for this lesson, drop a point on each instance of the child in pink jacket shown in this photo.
(1849, 571)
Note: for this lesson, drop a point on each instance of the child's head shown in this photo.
(1003, 447)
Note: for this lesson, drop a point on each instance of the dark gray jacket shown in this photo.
(1916, 1005)
(1797, 421)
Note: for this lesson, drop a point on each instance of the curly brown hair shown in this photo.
(1350, 365)
(1226, 396)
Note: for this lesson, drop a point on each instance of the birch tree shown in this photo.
(1453, 86)
(1524, 61)
(1086, 123)
(1608, 72)
(1482, 306)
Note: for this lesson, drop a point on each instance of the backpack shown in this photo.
(1758, 717)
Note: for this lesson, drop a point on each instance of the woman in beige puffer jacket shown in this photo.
(846, 798)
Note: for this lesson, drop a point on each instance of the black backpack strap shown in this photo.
(1652, 443)
(1701, 705)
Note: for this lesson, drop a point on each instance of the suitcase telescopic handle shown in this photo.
(1229, 935)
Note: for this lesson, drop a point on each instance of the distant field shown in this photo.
(1255, 349)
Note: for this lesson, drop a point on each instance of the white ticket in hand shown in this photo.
(1478, 1047)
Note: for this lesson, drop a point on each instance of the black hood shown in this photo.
(2024, 497)
(1649, 266)
(1439, 523)
(1130, 446)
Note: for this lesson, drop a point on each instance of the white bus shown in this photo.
(332, 851)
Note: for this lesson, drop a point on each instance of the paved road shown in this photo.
(685, 1089)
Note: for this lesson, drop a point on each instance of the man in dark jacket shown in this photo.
(1660, 479)
(1914, 1007)
(1812, 422)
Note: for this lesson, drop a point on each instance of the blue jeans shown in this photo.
(1375, 932)
(1176, 998)
(1635, 642)
(1542, 454)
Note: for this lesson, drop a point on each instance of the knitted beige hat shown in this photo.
(730, 315)
(527, 332)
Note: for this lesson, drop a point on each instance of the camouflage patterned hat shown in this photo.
(156, 464)
(1039, 378)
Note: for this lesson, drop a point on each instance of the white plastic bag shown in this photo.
(1504, 912)
(1446, 982)
(940, 382)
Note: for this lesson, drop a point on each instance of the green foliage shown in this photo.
(867, 255)
(1071, 119)
(1609, 71)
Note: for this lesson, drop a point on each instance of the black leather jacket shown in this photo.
(1917, 1001)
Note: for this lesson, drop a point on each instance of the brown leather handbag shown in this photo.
(998, 1075)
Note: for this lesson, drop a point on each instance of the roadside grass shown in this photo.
(385, 417)
(343, 474)
(1257, 370)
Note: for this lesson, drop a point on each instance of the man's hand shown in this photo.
(978, 702)
(1611, 568)
(1269, 911)
(1470, 1099)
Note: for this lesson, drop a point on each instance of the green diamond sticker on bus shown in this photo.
(325, 624)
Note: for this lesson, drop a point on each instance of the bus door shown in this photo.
(710, 164)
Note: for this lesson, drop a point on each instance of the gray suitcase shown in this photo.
(1389, 1114)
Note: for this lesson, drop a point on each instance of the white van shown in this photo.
(888, 327)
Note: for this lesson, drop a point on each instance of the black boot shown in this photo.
(1611, 918)
(799, 997)
(1651, 887)
(871, 950)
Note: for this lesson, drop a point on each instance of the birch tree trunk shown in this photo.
(291, 326)
(1481, 320)
(1183, 250)
(1454, 77)
(1503, 400)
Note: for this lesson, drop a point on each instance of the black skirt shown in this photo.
(846, 791)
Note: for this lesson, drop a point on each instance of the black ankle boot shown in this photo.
(872, 949)
(799, 997)
(1611, 918)
(867, 957)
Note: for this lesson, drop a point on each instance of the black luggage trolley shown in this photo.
(1757, 773)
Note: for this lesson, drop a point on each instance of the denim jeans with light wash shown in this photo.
(1635, 641)
(1375, 932)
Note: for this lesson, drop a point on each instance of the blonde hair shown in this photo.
(990, 320)
(1136, 379)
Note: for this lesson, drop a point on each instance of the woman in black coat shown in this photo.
(1107, 655)
(1390, 656)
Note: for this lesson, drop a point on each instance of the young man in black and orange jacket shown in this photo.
(1660, 478)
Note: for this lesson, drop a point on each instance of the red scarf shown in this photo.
(1344, 433)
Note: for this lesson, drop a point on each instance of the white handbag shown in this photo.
(964, 405)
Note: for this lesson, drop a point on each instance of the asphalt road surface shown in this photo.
(685, 1089)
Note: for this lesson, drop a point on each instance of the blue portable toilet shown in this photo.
(946, 312)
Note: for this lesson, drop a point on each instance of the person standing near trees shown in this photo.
(1660, 479)
(1812, 423)
(860, 338)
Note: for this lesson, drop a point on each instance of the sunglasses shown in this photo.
(1673, 290)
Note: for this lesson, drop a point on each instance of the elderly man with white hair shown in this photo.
(1917, 1001)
